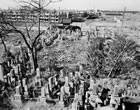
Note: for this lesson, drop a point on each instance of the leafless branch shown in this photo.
(29, 3)
(28, 34)
(37, 38)
(14, 29)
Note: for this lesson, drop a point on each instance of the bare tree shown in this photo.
(112, 59)
(39, 6)
(28, 34)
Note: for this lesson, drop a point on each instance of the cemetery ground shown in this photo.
(77, 48)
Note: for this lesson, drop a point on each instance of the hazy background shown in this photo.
(86, 4)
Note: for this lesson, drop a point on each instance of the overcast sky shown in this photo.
(86, 4)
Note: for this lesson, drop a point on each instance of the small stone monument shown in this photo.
(50, 83)
(61, 102)
(47, 91)
(43, 92)
(91, 84)
(61, 73)
(66, 80)
(18, 96)
(94, 91)
(81, 68)
(26, 90)
(1, 73)
(24, 81)
(16, 70)
(116, 94)
(116, 90)
(38, 72)
(42, 97)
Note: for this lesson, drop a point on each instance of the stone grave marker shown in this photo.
(81, 68)
(61, 102)
(38, 72)
(91, 84)
(42, 97)
(19, 68)
(67, 89)
(24, 81)
(1, 73)
(61, 73)
(26, 90)
(18, 96)
(115, 94)
(50, 83)
(47, 91)
(55, 80)
(9, 78)
(16, 69)
(66, 80)
(116, 90)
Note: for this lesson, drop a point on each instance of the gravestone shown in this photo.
(9, 78)
(1, 73)
(16, 69)
(116, 90)
(81, 93)
(91, 84)
(82, 87)
(19, 68)
(18, 96)
(38, 72)
(55, 80)
(71, 74)
(26, 90)
(74, 105)
(47, 91)
(61, 75)
(42, 97)
(81, 68)
(116, 95)
(66, 81)
(43, 92)
(50, 83)
(67, 89)
(61, 101)
(24, 81)
(94, 91)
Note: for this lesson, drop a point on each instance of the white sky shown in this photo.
(86, 4)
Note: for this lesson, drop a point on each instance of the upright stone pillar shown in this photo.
(50, 83)
(42, 97)
(66, 81)
(47, 91)
(1, 73)
(38, 80)
(61, 101)
(18, 96)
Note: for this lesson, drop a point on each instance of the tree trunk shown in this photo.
(34, 60)
(5, 48)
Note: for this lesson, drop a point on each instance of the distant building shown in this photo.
(27, 14)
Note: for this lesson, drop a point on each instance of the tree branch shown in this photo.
(121, 53)
(28, 34)
(29, 3)
(18, 31)
(37, 38)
